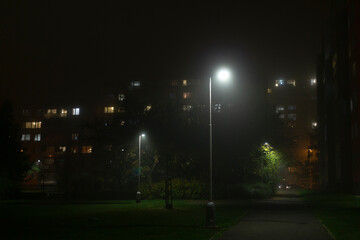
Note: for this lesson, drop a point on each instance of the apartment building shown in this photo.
(338, 92)
(58, 137)
(294, 103)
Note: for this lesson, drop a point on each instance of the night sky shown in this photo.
(67, 48)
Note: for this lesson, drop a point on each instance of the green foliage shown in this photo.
(266, 164)
(181, 189)
(250, 191)
(33, 170)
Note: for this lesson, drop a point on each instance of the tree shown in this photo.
(13, 162)
(267, 162)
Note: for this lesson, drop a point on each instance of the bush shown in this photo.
(250, 191)
(181, 189)
(7, 187)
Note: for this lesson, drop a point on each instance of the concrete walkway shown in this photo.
(283, 217)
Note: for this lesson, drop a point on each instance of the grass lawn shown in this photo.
(339, 212)
(45, 219)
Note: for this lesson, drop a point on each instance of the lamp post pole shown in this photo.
(138, 194)
(210, 221)
(210, 143)
(210, 207)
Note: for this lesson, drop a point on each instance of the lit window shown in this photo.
(313, 82)
(86, 149)
(76, 111)
(291, 82)
(292, 116)
(292, 107)
(37, 137)
(63, 113)
(314, 125)
(75, 136)
(121, 97)
(187, 107)
(74, 149)
(184, 82)
(135, 83)
(279, 82)
(25, 137)
(291, 169)
(147, 108)
(280, 108)
(62, 148)
(217, 107)
(51, 111)
(33, 125)
(269, 90)
(186, 95)
(291, 124)
(109, 109)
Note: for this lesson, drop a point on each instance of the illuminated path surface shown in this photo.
(282, 217)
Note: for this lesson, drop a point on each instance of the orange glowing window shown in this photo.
(292, 169)
(86, 149)
(109, 109)
(33, 125)
(186, 95)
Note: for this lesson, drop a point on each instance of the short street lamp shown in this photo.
(138, 194)
(223, 75)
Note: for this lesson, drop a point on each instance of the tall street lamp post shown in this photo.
(223, 75)
(138, 194)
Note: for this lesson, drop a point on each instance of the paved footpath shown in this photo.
(282, 217)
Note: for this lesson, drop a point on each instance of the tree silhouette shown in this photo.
(13, 161)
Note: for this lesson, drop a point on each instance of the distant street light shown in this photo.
(223, 75)
(138, 194)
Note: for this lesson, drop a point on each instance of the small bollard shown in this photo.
(138, 197)
(210, 221)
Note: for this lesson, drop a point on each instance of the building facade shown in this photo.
(294, 104)
(60, 138)
(338, 94)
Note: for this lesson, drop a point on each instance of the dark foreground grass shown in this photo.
(112, 220)
(339, 212)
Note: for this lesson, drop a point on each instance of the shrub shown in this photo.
(249, 191)
(181, 189)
